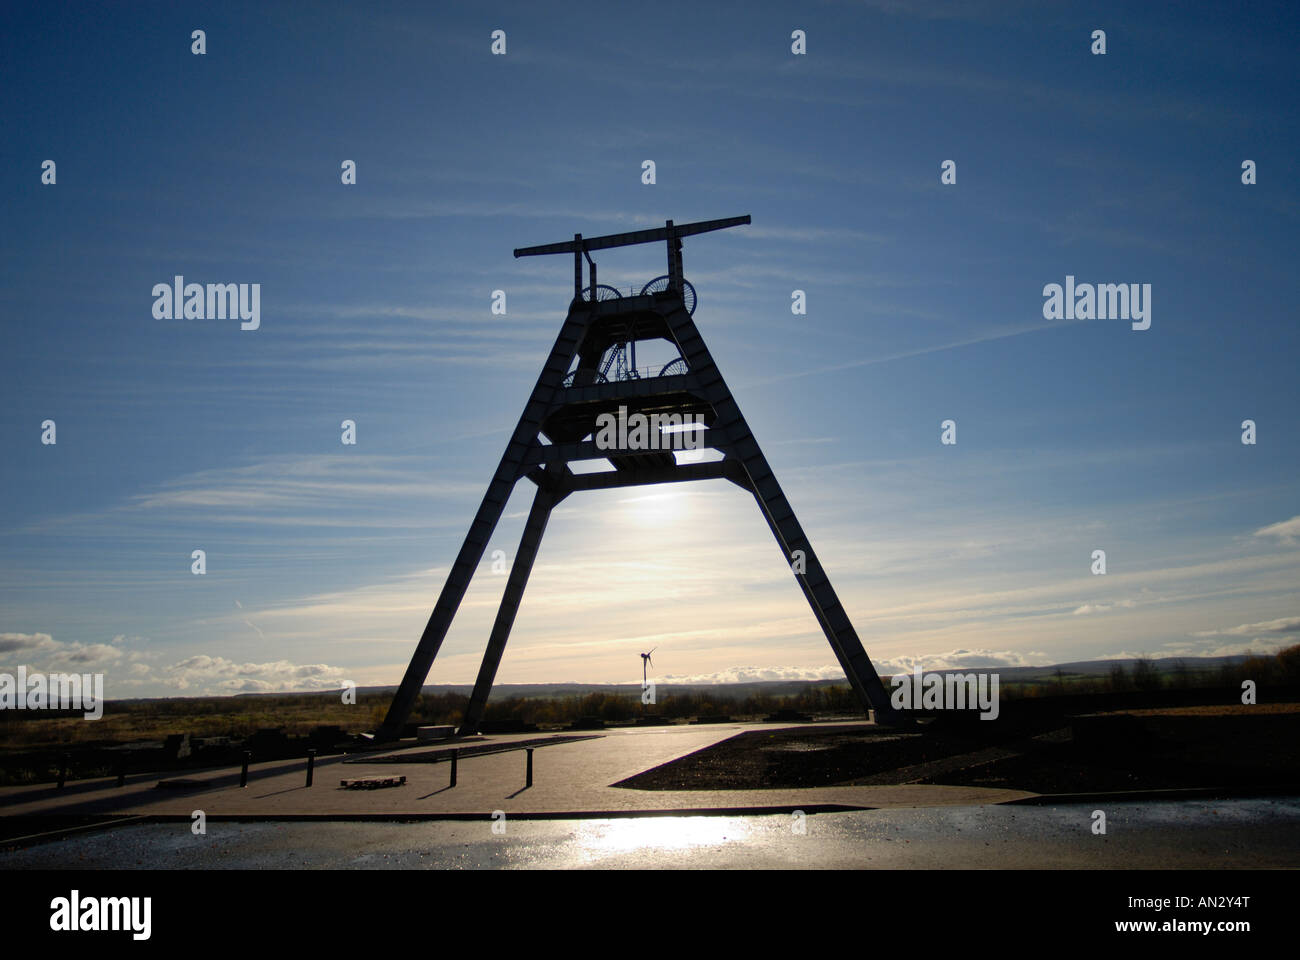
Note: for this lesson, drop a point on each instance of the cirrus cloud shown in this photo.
(1288, 531)
(1282, 625)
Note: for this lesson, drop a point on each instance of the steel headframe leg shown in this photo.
(742, 446)
(503, 482)
(534, 527)
(453, 591)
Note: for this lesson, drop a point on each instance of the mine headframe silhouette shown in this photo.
(592, 371)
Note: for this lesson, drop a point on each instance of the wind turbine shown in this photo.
(645, 659)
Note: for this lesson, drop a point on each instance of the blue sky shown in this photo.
(924, 304)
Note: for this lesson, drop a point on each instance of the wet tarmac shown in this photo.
(1191, 834)
(572, 778)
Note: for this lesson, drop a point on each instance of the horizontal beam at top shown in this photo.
(629, 239)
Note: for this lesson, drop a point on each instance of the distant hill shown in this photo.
(738, 691)
(1101, 668)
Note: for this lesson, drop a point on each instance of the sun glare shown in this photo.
(657, 509)
(596, 837)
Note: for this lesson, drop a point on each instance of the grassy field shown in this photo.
(31, 743)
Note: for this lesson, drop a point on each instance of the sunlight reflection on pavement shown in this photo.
(1249, 833)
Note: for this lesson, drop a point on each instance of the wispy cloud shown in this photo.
(1287, 531)
(1282, 625)
(999, 333)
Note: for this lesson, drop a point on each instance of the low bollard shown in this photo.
(121, 770)
(455, 755)
(243, 773)
(529, 780)
(311, 764)
(64, 762)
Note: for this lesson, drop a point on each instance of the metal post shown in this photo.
(528, 782)
(455, 755)
(674, 276)
(121, 770)
(243, 773)
(577, 266)
(311, 764)
(64, 762)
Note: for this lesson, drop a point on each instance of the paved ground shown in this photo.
(1210, 835)
(569, 778)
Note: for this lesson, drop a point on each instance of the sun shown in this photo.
(656, 510)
